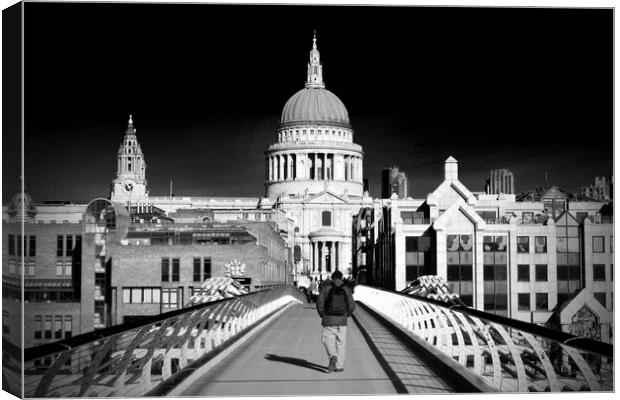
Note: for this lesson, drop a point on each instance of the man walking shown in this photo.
(335, 304)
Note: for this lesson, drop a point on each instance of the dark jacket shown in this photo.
(334, 320)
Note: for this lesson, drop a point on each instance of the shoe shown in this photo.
(332, 364)
(339, 369)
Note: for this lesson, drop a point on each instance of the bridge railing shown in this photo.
(138, 358)
(511, 355)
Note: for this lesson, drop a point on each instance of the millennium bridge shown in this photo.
(268, 343)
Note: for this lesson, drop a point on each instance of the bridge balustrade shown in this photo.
(511, 355)
(135, 359)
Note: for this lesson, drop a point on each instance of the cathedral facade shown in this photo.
(314, 176)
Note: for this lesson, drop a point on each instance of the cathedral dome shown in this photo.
(314, 104)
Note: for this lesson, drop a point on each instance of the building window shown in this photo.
(165, 269)
(523, 273)
(460, 266)
(68, 326)
(569, 280)
(58, 327)
(31, 267)
(524, 301)
(523, 244)
(598, 272)
(11, 245)
(601, 297)
(65, 245)
(60, 246)
(598, 244)
(540, 244)
(38, 327)
(568, 257)
(206, 268)
(495, 274)
(19, 245)
(63, 267)
(175, 269)
(541, 273)
(495, 288)
(126, 295)
(69, 246)
(169, 298)
(412, 217)
(488, 216)
(59, 267)
(141, 295)
(417, 257)
(542, 302)
(527, 218)
(47, 327)
(326, 217)
(197, 269)
(32, 247)
(611, 244)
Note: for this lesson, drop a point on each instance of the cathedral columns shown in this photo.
(322, 266)
(350, 168)
(316, 168)
(315, 256)
(360, 169)
(337, 256)
(326, 166)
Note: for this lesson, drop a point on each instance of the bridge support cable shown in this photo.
(134, 359)
(510, 355)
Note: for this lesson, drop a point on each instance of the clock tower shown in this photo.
(130, 183)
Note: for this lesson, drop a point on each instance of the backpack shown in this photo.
(336, 302)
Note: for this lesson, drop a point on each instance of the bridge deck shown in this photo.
(288, 358)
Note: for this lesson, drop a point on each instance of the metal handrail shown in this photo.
(510, 355)
(141, 357)
(47, 349)
(578, 342)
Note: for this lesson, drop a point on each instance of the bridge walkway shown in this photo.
(288, 358)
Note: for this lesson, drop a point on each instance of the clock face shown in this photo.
(128, 186)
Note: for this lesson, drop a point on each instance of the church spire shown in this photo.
(130, 182)
(315, 69)
(130, 129)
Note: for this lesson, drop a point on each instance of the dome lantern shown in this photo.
(315, 69)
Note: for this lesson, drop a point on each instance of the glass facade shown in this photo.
(417, 257)
(568, 257)
(495, 275)
(460, 266)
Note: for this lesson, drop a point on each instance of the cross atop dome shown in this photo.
(315, 69)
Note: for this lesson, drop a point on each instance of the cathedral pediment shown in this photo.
(325, 197)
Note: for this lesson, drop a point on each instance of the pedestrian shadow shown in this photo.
(296, 361)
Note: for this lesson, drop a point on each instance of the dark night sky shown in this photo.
(525, 89)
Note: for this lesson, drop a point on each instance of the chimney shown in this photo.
(451, 168)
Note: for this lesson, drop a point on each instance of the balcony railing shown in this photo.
(510, 355)
(139, 358)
